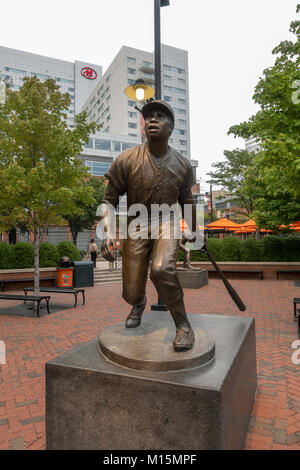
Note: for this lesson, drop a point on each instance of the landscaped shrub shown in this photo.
(68, 249)
(22, 255)
(214, 247)
(291, 248)
(6, 256)
(49, 255)
(272, 248)
(230, 249)
(250, 249)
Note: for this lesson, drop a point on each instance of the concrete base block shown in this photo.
(92, 403)
(192, 278)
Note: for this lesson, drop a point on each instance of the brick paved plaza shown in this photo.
(30, 342)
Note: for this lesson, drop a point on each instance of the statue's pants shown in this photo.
(136, 259)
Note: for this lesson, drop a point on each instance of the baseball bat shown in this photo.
(233, 293)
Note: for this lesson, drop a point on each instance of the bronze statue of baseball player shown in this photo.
(152, 173)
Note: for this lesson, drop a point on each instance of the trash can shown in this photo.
(83, 274)
(65, 272)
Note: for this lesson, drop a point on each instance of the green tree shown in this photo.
(40, 176)
(277, 127)
(87, 217)
(237, 176)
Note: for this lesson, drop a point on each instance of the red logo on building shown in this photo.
(89, 73)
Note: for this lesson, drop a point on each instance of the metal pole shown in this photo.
(157, 49)
(211, 203)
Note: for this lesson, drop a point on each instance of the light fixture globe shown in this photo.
(139, 91)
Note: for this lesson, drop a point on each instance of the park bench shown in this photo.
(60, 290)
(297, 271)
(33, 298)
(3, 282)
(243, 271)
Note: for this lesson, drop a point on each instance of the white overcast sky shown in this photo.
(229, 44)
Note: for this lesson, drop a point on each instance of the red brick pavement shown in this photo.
(30, 342)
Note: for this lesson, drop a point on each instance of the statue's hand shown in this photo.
(107, 249)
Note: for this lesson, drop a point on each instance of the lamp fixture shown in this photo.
(139, 91)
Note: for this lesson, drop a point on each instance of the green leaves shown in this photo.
(277, 127)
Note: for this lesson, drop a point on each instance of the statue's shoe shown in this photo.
(134, 318)
(184, 339)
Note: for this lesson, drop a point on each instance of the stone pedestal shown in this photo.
(93, 403)
(192, 278)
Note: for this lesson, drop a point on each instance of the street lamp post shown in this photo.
(157, 45)
(157, 53)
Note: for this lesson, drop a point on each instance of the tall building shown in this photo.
(252, 145)
(76, 78)
(109, 106)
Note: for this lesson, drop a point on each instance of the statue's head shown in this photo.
(159, 119)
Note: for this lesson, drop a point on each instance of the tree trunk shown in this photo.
(36, 261)
(74, 236)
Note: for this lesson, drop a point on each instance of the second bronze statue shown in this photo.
(153, 173)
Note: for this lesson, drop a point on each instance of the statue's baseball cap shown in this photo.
(159, 104)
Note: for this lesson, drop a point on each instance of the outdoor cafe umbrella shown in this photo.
(224, 224)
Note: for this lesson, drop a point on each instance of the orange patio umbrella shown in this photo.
(223, 224)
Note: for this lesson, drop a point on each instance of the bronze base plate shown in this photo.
(149, 347)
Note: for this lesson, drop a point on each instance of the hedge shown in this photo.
(6, 256)
(271, 248)
(22, 255)
(68, 249)
(49, 255)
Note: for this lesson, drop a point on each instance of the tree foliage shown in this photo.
(276, 126)
(87, 217)
(40, 176)
(237, 176)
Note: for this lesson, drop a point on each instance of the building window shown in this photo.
(41, 76)
(90, 144)
(181, 81)
(127, 145)
(147, 64)
(108, 117)
(167, 77)
(181, 101)
(102, 144)
(170, 68)
(107, 79)
(182, 142)
(10, 69)
(116, 146)
(97, 168)
(132, 135)
(71, 89)
(174, 89)
(167, 98)
(131, 81)
(179, 131)
(132, 125)
(131, 71)
(182, 122)
(64, 80)
(132, 114)
(131, 103)
(179, 111)
(131, 60)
